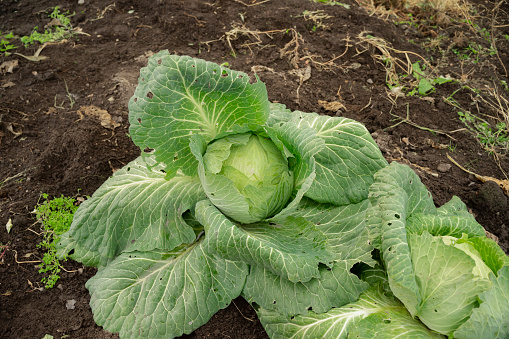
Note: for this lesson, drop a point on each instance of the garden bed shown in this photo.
(313, 57)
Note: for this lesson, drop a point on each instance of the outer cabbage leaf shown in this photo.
(344, 227)
(278, 113)
(373, 311)
(396, 187)
(345, 231)
(164, 294)
(453, 207)
(453, 219)
(373, 275)
(136, 209)
(394, 323)
(293, 250)
(346, 165)
(335, 287)
(447, 286)
(396, 194)
(444, 225)
(490, 320)
(178, 96)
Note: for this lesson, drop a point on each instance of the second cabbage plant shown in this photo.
(298, 213)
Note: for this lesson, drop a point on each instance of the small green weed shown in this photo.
(409, 23)
(504, 85)
(56, 33)
(473, 52)
(451, 147)
(425, 84)
(478, 49)
(5, 43)
(56, 217)
(485, 33)
(493, 138)
(460, 54)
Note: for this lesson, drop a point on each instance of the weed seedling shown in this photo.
(56, 217)
(61, 29)
(5, 43)
(425, 84)
(492, 138)
(451, 147)
(504, 84)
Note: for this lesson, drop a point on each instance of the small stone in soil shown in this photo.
(444, 167)
(70, 304)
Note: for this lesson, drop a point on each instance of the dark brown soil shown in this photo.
(62, 152)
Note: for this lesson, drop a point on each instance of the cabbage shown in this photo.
(297, 212)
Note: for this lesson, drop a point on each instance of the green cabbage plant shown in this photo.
(298, 213)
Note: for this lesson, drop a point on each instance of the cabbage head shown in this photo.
(247, 168)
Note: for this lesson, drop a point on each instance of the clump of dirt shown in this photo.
(48, 144)
(491, 199)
